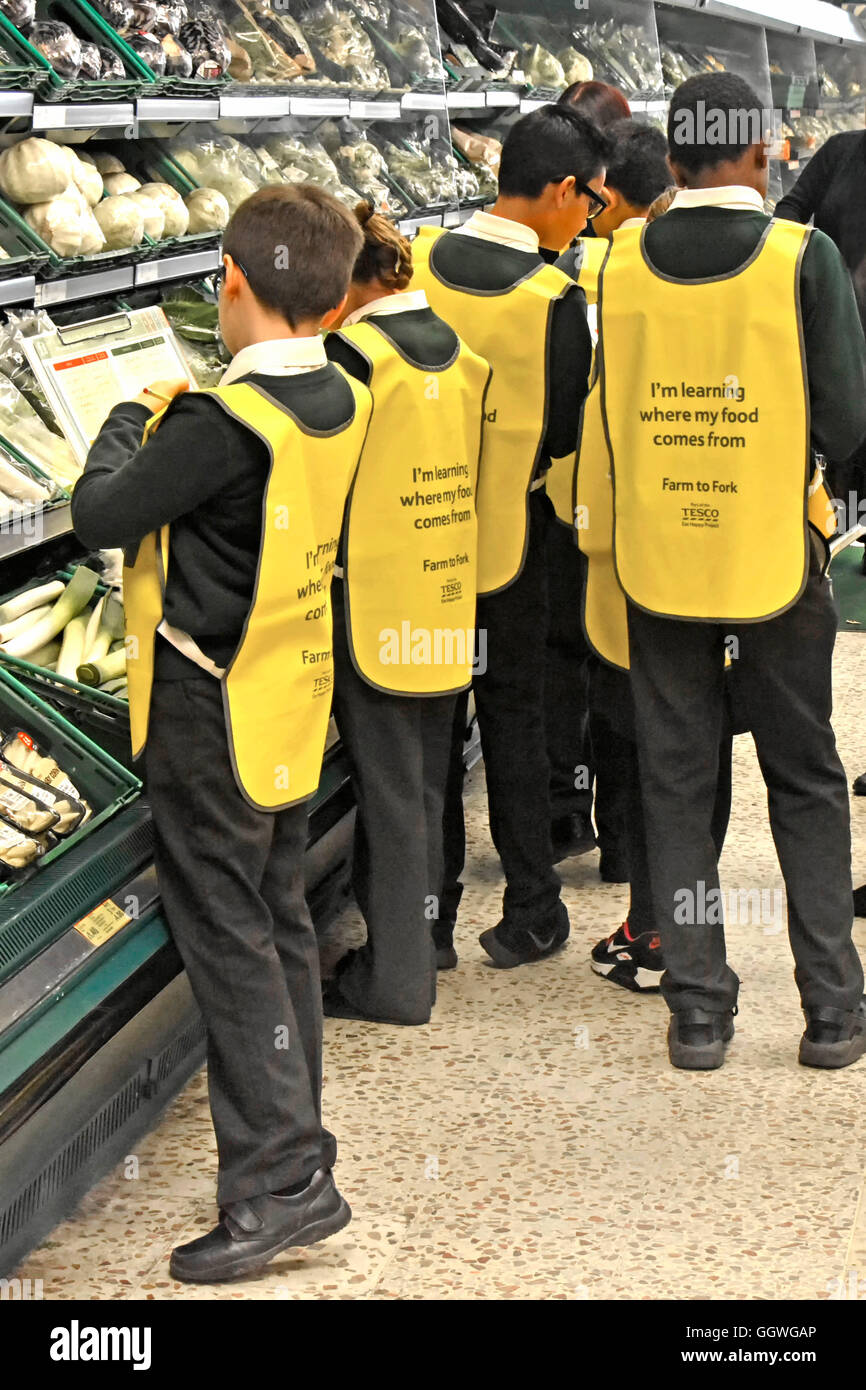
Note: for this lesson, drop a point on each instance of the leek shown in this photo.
(109, 668)
(72, 647)
(93, 627)
(115, 686)
(30, 598)
(24, 623)
(45, 655)
(74, 598)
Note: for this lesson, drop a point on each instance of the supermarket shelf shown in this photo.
(466, 101)
(179, 109)
(16, 103)
(409, 225)
(375, 110)
(19, 290)
(414, 102)
(44, 526)
(77, 116)
(320, 106)
(180, 267)
(505, 100)
(255, 108)
(84, 286)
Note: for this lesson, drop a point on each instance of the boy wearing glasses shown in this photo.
(489, 280)
(229, 504)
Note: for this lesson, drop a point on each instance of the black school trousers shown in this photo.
(398, 747)
(509, 702)
(232, 884)
(782, 686)
(566, 693)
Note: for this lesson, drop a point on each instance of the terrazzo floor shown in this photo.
(533, 1142)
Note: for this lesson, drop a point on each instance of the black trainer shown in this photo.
(635, 962)
(697, 1039)
(251, 1233)
(508, 946)
(443, 941)
(860, 901)
(571, 835)
(859, 787)
(833, 1039)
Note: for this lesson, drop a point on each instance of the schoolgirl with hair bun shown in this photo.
(404, 616)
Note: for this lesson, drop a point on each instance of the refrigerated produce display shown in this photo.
(129, 132)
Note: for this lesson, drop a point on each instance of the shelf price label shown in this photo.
(102, 923)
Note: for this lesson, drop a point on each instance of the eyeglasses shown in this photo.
(220, 275)
(597, 204)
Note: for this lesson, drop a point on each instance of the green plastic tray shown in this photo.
(51, 265)
(102, 781)
(63, 496)
(24, 74)
(89, 21)
(52, 87)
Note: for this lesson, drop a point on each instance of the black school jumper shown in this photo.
(781, 681)
(231, 877)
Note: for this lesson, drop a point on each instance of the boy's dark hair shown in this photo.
(638, 167)
(297, 246)
(694, 117)
(548, 145)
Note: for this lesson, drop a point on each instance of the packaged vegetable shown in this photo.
(205, 41)
(154, 218)
(23, 428)
(149, 50)
(208, 210)
(121, 222)
(541, 68)
(22, 751)
(91, 63)
(21, 13)
(17, 850)
(33, 171)
(112, 65)
(106, 163)
(120, 183)
(168, 19)
(59, 222)
(178, 62)
(59, 45)
(174, 210)
(117, 13)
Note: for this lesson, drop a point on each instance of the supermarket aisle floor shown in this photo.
(533, 1141)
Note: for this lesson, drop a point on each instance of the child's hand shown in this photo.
(159, 393)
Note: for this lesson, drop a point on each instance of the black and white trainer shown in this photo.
(634, 962)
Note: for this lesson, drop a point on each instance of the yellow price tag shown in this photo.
(102, 923)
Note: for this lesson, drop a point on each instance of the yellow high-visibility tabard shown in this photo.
(706, 410)
(510, 329)
(412, 536)
(594, 249)
(277, 687)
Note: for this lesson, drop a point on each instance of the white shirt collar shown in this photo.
(277, 357)
(388, 304)
(735, 197)
(632, 222)
(486, 226)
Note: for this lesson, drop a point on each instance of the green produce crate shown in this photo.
(103, 717)
(23, 257)
(24, 74)
(51, 265)
(51, 86)
(151, 164)
(63, 496)
(789, 92)
(102, 781)
(85, 19)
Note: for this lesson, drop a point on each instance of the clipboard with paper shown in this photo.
(87, 368)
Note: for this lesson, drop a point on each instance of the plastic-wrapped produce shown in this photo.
(15, 365)
(149, 50)
(205, 42)
(62, 224)
(154, 217)
(344, 43)
(576, 67)
(33, 170)
(208, 210)
(112, 65)
(430, 176)
(241, 66)
(23, 428)
(304, 159)
(118, 13)
(143, 14)
(91, 62)
(541, 68)
(364, 165)
(121, 222)
(168, 18)
(412, 44)
(178, 63)
(120, 183)
(460, 27)
(59, 45)
(174, 211)
(21, 13)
